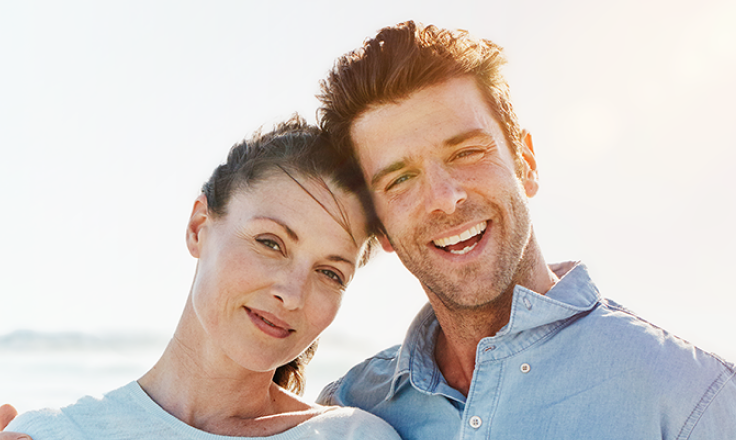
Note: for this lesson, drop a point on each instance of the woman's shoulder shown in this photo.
(351, 423)
(33, 421)
(78, 419)
(50, 423)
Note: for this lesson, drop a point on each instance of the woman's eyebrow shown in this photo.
(290, 232)
(338, 258)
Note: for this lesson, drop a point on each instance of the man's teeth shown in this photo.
(475, 230)
(464, 250)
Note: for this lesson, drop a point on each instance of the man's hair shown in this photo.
(403, 59)
(300, 151)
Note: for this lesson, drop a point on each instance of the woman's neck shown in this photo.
(199, 385)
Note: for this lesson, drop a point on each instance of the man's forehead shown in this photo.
(444, 115)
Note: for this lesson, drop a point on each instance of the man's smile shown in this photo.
(463, 242)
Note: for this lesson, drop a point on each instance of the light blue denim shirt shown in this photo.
(568, 365)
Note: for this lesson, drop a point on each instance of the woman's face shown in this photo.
(272, 271)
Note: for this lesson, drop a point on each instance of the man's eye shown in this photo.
(467, 153)
(399, 180)
(333, 276)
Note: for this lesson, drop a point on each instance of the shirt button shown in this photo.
(528, 303)
(525, 368)
(475, 422)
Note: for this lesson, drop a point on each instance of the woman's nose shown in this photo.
(291, 290)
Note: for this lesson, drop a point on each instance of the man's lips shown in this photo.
(463, 242)
(269, 324)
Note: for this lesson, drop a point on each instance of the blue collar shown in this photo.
(532, 316)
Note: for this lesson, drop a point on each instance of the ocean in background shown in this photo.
(54, 369)
(39, 370)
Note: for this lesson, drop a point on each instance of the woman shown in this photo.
(278, 233)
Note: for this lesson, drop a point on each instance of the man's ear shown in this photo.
(385, 244)
(197, 221)
(529, 177)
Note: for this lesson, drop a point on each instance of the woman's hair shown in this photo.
(300, 151)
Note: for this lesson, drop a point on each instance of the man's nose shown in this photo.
(442, 191)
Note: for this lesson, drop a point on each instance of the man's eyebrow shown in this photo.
(462, 137)
(290, 232)
(450, 142)
(387, 170)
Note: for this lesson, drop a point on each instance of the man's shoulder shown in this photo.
(686, 382)
(661, 358)
(372, 379)
(618, 322)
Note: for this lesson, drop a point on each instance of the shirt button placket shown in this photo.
(477, 416)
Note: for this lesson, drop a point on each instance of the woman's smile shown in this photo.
(269, 324)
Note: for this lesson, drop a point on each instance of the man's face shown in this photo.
(446, 188)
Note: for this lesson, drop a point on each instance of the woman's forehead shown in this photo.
(308, 200)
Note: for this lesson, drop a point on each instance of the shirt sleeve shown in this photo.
(328, 396)
(718, 419)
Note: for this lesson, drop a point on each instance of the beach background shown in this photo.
(112, 114)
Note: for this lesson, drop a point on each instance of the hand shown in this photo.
(8, 413)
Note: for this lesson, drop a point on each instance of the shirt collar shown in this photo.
(574, 293)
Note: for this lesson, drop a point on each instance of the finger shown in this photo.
(7, 413)
(13, 436)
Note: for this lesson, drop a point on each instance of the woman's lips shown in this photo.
(269, 324)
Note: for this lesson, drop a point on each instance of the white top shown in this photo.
(128, 413)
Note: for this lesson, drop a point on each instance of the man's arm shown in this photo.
(8, 413)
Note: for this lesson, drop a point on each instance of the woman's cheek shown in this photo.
(330, 307)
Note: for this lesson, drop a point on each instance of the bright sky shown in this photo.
(112, 114)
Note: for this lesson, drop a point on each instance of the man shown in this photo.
(508, 347)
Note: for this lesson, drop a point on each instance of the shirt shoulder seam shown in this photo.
(704, 403)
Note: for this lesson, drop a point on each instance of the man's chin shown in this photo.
(468, 299)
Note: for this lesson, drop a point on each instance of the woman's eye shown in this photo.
(269, 243)
(333, 276)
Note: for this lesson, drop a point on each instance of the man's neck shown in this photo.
(459, 337)
(462, 330)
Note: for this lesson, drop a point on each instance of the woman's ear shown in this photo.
(197, 221)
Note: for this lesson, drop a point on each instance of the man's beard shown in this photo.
(481, 285)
